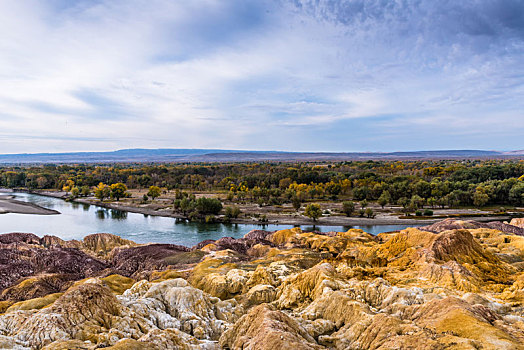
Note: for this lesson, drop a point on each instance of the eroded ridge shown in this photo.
(452, 285)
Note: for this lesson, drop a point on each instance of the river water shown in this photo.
(78, 220)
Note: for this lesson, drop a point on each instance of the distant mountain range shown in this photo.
(218, 155)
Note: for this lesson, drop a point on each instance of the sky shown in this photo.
(298, 75)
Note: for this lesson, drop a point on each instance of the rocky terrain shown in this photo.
(450, 285)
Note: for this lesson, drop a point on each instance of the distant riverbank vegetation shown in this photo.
(411, 185)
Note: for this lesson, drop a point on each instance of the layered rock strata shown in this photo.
(451, 285)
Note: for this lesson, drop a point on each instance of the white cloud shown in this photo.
(243, 74)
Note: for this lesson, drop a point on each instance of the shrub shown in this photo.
(232, 212)
(428, 212)
(348, 208)
(418, 213)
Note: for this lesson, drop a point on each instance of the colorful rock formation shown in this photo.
(451, 285)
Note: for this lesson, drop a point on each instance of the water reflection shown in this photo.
(101, 214)
(78, 220)
(118, 214)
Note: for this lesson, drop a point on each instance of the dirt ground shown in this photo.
(286, 214)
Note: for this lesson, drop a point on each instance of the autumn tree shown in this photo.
(313, 211)
(68, 186)
(154, 192)
(102, 191)
(118, 190)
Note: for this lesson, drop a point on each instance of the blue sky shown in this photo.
(302, 75)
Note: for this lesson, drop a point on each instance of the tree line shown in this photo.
(406, 183)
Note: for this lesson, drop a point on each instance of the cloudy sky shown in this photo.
(303, 75)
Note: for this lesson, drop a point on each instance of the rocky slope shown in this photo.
(452, 285)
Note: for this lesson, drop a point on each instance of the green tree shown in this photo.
(364, 204)
(384, 199)
(85, 191)
(516, 194)
(102, 191)
(75, 191)
(369, 212)
(348, 208)
(154, 192)
(233, 212)
(186, 205)
(480, 199)
(417, 201)
(313, 211)
(296, 203)
(205, 205)
(118, 190)
(404, 202)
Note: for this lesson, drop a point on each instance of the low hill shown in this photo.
(217, 155)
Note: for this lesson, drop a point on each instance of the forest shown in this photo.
(434, 183)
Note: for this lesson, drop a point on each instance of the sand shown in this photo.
(10, 205)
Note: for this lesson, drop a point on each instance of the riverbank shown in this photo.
(10, 205)
(285, 219)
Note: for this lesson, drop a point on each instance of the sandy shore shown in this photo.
(10, 205)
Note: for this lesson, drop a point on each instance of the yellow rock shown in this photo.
(35, 304)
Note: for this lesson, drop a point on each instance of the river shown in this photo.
(78, 220)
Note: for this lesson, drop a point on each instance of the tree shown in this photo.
(186, 205)
(313, 211)
(154, 192)
(516, 194)
(348, 208)
(360, 193)
(118, 190)
(102, 191)
(75, 191)
(417, 201)
(480, 199)
(369, 212)
(85, 191)
(404, 202)
(364, 204)
(296, 203)
(68, 185)
(232, 212)
(384, 199)
(208, 205)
